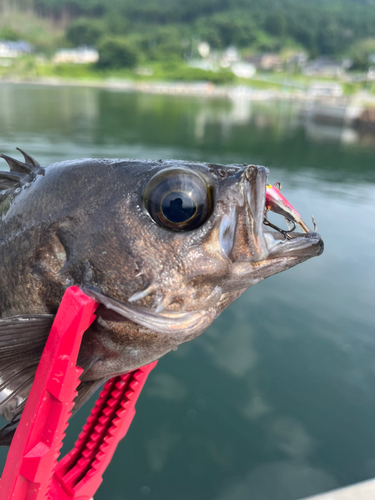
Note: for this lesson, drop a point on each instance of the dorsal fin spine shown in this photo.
(16, 166)
(12, 176)
(29, 159)
(20, 172)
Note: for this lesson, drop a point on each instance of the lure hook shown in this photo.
(286, 234)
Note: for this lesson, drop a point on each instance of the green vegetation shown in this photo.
(7, 33)
(319, 26)
(115, 52)
(85, 32)
(362, 52)
(44, 35)
(181, 72)
(162, 36)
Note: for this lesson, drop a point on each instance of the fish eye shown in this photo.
(178, 199)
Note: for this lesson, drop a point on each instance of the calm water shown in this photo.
(276, 401)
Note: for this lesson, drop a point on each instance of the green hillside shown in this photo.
(319, 26)
(160, 37)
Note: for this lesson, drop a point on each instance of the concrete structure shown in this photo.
(360, 491)
(325, 89)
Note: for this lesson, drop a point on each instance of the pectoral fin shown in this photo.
(22, 340)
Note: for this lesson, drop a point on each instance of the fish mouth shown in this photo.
(271, 245)
(176, 323)
(271, 251)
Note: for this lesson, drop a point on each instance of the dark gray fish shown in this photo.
(164, 246)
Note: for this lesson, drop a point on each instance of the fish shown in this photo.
(163, 246)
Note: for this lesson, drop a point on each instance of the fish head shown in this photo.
(175, 243)
(162, 246)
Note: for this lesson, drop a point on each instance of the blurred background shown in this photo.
(287, 46)
(276, 400)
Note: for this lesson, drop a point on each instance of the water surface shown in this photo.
(276, 401)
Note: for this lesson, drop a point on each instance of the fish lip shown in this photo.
(303, 245)
(181, 323)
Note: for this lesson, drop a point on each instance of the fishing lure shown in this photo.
(276, 202)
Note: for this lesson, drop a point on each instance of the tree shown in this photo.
(7, 33)
(164, 42)
(228, 28)
(116, 52)
(275, 24)
(362, 52)
(84, 32)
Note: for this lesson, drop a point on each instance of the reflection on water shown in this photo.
(290, 479)
(276, 400)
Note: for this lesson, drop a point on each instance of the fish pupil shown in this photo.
(178, 207)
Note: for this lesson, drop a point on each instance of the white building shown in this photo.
(80, 55)
(243, 69)
(12, 50)
(204, 49)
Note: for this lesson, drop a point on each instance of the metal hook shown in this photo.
(286, 234)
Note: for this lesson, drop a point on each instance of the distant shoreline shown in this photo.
(171, 88)
(162, 87)
(199, 89)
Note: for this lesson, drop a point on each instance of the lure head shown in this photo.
(276, 202)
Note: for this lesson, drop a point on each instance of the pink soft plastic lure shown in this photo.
(276, 202)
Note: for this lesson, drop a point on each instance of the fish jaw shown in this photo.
(300, 245)
(283, 254)
(180, 324)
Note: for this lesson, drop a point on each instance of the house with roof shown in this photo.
(12, 50)
(324, 66)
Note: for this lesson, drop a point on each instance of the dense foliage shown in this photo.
(160, 29)
(85, 32)
(115, 52)
(362, 53)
